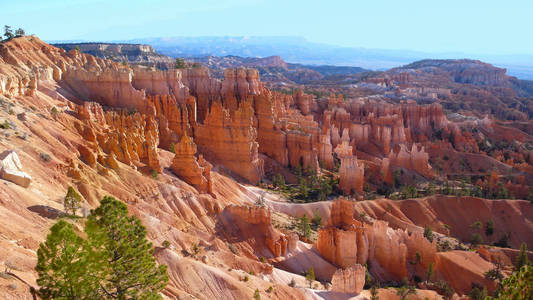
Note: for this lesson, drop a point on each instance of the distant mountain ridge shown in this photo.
(299, 50)
(274, 69)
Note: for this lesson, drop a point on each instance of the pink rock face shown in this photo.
(118, 136)
(417, 159)
(350, 280)
(196, 172)
(325, 150)
(346, 242)
(255, 223)
(174, 118)
(156, 82)
(350, 172)
(231, 140)
(239, 83)
(303, 101)
(110, 87)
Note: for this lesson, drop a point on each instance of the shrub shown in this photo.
(405, 291)
(477, 292)
(317, 220)
(166, 244)
(489, 228)
(172, 148)
(257, 295)
(428, 233)
(5, 125)
(476, 239)
(429, 272)
(45, 157)
(374, 292)
(180, 63)
(54, 111)
(154, 174)
(292, 283)
(442, 287)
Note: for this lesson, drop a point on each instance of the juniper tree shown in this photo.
(72, 201)
(130, 269)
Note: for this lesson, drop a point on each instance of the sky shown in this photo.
(466, 26)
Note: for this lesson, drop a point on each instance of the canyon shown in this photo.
(198, 158)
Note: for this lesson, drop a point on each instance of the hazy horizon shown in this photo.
(475, 27)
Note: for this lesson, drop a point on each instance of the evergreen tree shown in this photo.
(20, 32)
(374, 293)
(180, 63)
(72, 201)
(310, 276)
(130, 270)
(428, 233)
(521, 259)
(317, 220)
(65, 265)
(8, 32)
(517, 286)
(304, 226)
(429, 272)
(405, 291)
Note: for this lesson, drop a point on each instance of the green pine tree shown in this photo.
(304, 226)
(130, 270)
(521, 259)
(310, 276)
(64, 265)
(517, 286)
(72, 201)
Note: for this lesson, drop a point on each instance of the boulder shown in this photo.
(11, 169)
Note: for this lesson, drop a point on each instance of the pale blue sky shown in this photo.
(470, 26)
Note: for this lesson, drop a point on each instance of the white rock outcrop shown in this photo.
(11, 169)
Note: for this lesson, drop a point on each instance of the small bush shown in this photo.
(172, 148)
(476, 239)
(489, 228)
(246, 278)
(54, 112)
(257, 295)
(166, 244)
(270, 289)
(292, 283)
(155, 174)
(428, 234)
(5, 125)
(45, 157)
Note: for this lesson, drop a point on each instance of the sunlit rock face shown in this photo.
(196, 172)
(350, 280)
(347, 242)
